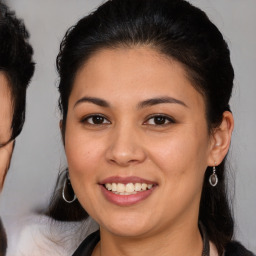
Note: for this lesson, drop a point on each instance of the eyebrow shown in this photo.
(143, 104)
(160, 100)
(96, 101)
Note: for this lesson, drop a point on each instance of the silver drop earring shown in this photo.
(213, 179)
(65, 187)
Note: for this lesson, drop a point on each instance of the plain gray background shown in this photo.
(39, 154)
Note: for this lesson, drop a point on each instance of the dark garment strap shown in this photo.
(87, 246)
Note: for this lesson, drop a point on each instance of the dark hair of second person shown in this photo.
(16, 70)
(15, 63)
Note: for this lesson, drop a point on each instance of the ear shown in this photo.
(221, 138)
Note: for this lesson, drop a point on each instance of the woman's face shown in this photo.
(6, 113)
(137, 142)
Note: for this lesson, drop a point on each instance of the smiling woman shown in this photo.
(144, 93)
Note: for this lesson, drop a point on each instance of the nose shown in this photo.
(125, 147)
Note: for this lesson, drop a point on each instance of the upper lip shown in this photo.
(125, 180)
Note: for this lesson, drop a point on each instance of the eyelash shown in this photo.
(164, 120)
(86, 119)
(167, 120)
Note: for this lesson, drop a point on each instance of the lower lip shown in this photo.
(126, 200)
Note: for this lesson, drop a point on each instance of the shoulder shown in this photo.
(236, 249)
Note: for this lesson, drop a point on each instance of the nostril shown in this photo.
(126, 159)
(125, 149)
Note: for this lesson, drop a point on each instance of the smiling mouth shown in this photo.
(127, 189)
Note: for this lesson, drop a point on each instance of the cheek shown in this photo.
(85, 153)
(82, 154)
(182, 160)
(5, 126)
(183, 153)
(5, 158)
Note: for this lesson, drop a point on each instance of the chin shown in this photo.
(128, 227)
(128, 231)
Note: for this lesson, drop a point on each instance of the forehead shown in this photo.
(4, 84)
(6, 109)
(133, 73)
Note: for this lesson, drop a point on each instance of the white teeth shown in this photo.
(114, 187)
(144, 186)
(137, 186)
(127, 189)
(120, 187)
(150, 186)
(108, 186)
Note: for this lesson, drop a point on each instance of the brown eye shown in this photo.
(159, 120)
(96, 120)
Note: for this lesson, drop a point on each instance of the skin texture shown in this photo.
(6, 113)
(128, 143)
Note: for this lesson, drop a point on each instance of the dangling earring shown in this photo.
(213, 179)
(67, 186)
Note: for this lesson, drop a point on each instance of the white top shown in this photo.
(40, 235)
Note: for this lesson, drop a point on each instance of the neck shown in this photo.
(185, 240)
